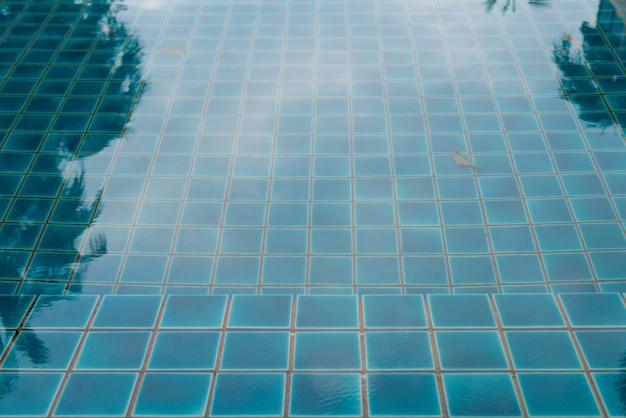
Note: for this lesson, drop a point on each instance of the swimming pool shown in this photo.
(305, 208)
(307, 147)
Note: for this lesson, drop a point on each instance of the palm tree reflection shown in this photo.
(117, 56)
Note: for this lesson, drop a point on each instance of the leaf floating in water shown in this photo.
(172, 50)
(460, 160)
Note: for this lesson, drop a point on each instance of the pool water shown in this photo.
(303, 208)
(308, 147)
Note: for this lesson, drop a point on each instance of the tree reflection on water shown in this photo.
(116, 57)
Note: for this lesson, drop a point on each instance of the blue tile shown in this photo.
(331, 214)
(594, 309)
(13, 309)
(514, 311)
(599, 236)
(180, 394)
(113, 350)
(418, 214)
(558, 237)
(286, 241)
(190, 270)
(480, 350)
(470, 240)
(260, 311)
(331, 189)
(512, 239)
(288, 214)
(609, 264)
(374, 214)
(505, 212)
(331, 270)
(283, 270)
(582, 184)
(461, 311)
(566, 266)
(42, 350)
(61, 311)
(244, 214)
(327, 351)
(519, 268)
(83, 394)
(610, 388)
(248, 394)
(327, 312)
(127, 312)
(541, 186)
(549, 210)
(402, 394)
(184, 350)
(393, 311)
(255, 351)
(376, 241)
(461, 213)
(398, 350)
(373, 189)
(377, 270)
(241, 241)
(482, 394)
(237, 270)
(593, 209)
(544, 394)
(182, 311)
(472, 270)
(425, 270)
(602, 349)
(542, 350)
(331, 241)
(28, 393)
(329, 394)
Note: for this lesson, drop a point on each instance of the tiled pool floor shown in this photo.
(197, 146)
(273, 355)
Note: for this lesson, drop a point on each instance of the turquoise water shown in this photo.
(307, 147)
(354, 162)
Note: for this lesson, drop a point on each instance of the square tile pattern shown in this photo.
(497, 360)
(221, 147)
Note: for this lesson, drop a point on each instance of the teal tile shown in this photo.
(406, 394)
(327, 312)
(481, 350)
(327, 351)
(127, 312)
(268, 311)
(13, 308)
(594, 309)
(187, 311)
(173, 394)
(184, 350)
(461, 311)
(104, 394)
(248, 394)
(544, 394)
(113, 350)
(255, 351)
(602, 349)
(516, 311)
(337, 394)
(610, 386)
(398, 350)
(542, 350)
(42, 350)
(28, 394)
(61, 311)
(393, 311)
(484, 394)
